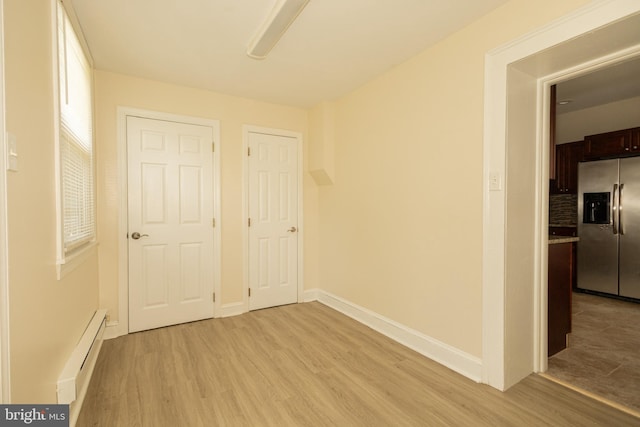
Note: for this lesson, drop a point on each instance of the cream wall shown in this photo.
(113, 90)
(574, 126)
(401, 228)
(47, 316)
(399, 232)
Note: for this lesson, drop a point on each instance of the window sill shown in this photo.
(73, 261)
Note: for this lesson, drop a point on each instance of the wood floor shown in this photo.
(307, 365)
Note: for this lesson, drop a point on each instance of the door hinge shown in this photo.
(214, 297)
(213, 222)
(249, 291)
(249, 222)
(248, 151)
(213, 147)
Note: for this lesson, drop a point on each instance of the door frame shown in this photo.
(246, 130)
(122, 327)
(543, 56)
(5, 378)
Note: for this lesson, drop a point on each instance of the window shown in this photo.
(76, 200)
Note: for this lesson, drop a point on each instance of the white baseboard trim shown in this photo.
(233, 309)
(310, 295)
(113, 330)
(463, 363)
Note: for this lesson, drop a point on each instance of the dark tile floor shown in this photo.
(603, 356)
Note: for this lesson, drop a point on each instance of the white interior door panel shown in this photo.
(170, 214)
(273, 213)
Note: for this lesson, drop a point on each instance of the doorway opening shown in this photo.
(516, 152)
(188, 145)
(598, 355)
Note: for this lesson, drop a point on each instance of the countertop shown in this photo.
(554, 240)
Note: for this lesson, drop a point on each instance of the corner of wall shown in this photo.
(321, 143)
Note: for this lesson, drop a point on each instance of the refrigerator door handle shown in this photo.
(614, 209)
(620, 223)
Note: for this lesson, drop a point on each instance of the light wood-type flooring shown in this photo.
(603, 356)
(307, 365)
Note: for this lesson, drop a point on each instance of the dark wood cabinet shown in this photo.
(561, 273)
(567, 231)
(608, 145)
(567, 158)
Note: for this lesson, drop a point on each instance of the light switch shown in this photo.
(495, 181)
(12, 155)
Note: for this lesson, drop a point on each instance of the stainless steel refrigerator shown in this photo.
(609, 226)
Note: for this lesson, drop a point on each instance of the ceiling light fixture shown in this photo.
(565, 102)
(281, 17)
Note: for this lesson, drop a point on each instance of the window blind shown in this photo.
(76, 138)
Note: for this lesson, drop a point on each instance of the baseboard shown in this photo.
(113, 330)
(310, 295)
(454, 359)
(233, 309)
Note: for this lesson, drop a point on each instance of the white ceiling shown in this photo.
(618, 82)
(332, 48)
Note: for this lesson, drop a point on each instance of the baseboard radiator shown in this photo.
(75, 377)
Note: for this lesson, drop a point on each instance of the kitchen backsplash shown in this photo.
(563, 209)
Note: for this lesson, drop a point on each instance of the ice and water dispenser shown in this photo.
(597, 207)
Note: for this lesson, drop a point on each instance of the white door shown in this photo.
(170, 197)
(273, 220)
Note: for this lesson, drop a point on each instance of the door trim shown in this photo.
(246, 130)
(501, 366)
(122, 326)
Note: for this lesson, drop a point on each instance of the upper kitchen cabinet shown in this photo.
(567, 158)
(619, 143)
